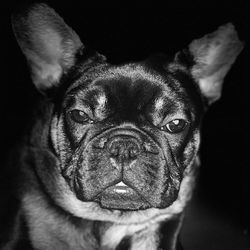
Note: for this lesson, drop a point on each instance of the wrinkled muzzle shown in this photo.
(124, 170)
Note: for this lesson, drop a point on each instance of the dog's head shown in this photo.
(118, 138)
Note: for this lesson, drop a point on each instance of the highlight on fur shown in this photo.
(113, 154)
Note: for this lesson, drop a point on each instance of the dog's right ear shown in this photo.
(49, 45)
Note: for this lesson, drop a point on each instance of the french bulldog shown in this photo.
(114, 150)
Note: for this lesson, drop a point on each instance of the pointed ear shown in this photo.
(212, 57)
(49, 45)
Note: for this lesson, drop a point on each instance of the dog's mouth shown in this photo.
(123, 170)
(123, 197)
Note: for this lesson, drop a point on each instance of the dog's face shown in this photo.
(120, 137)
(127, 133)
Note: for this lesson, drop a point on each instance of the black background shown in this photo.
(128, 31)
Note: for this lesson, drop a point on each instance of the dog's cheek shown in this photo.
(190, 149)
(65, 137)
(184, 152)
(47, 168)
(59, 139)
(184, 146)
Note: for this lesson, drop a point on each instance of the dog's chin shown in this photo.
(121, 197)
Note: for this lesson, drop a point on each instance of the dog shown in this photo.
(112, 156)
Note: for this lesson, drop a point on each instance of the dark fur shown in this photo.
(68, 168)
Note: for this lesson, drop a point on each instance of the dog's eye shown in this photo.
(175, 126)
(80, 116)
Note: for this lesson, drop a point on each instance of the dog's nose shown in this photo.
(123, 148)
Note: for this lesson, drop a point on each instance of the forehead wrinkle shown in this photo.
(101, 100)
(170, 108)
(132, 71)
(76, 92)
(69, 101)
(85, 78)
(159, 102)
(166, 98)
(76, 98)
(165, 105)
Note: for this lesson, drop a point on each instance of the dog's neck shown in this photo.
(134, 237)
(51, 229)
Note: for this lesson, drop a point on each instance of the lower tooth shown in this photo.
(120, 191)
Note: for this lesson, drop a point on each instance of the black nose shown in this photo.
(123, 148)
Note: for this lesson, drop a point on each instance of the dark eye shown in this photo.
(175, 126)
(80, 116)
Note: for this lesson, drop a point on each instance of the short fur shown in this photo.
(101, 168)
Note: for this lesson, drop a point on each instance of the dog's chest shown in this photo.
(49, 230)
(133, 237)
(52, 235)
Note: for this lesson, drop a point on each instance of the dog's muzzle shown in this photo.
(123, 170)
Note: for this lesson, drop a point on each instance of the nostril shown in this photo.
(100, 144)
(134, 151)
(114, 149)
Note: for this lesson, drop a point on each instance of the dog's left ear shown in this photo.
(212, 57)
